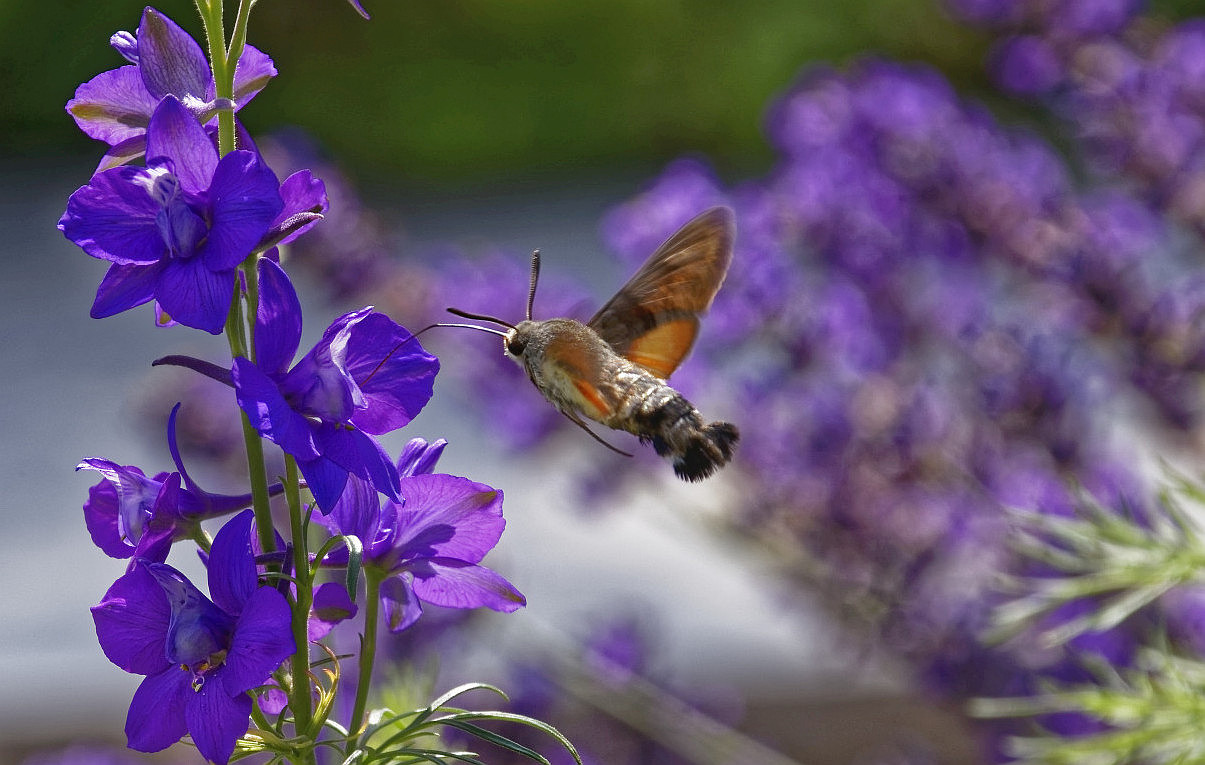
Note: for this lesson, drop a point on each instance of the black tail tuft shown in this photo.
(709, 451)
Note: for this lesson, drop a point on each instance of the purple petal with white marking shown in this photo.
(113, 106)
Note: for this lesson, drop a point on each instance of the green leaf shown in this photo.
(511, 717)
(496, 739)
(355, 558)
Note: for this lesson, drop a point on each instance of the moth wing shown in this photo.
(654, 319)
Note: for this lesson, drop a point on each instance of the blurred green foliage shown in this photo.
(451, 91)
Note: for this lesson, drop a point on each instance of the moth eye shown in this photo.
(516, 345)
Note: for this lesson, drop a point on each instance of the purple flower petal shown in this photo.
(113, 218)
(100, 516)
(418, 457)
(198, 629)
(174, 133)
(331, 606)
(244, 199)
(194, 295)
(113, 106)
(358, 511)
(171, 62)
(273, 700)
(125, 151)
(251, 75)
(215, 719)
(156, 717)
(278, 320)
(271, 414)
(394, 372)
(448, 516)
(402, 607)
(126, 45)
(360, 454)
(456, 584)
(325, 480)
(232, 573)
(124, 287)
(301, 193)
(262, 640)
(135, 493)
(131, 623)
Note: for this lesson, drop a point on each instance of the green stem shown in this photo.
(300, 700)
(223, 71)
(257, 472)
(238, 38)
(368, 651)
(201, 538)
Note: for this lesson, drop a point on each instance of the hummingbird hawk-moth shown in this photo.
(613, 369)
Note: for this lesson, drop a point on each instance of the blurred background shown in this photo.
(814, 598)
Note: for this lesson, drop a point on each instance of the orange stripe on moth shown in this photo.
(662, 348)
(596, 406)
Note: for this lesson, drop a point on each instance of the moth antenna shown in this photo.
(535, 277)
(578, 422)
(478, 317)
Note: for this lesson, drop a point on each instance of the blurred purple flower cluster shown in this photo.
(906, 329)
(1131, 87)
(928, 318)
(1131, 93)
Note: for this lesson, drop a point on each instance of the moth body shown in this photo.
(613, 368)
(580, 374)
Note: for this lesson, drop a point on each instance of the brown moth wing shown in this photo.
(654, 318)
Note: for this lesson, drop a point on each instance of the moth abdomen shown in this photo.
(678, 431)
(696, 451)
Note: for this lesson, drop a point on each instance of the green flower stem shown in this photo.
(223, 70)
(261, 720)
(257, 473)
(368, 649)
(238, 39)
(201, 538)
(299, 699)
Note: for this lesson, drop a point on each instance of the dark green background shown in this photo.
(447, 93)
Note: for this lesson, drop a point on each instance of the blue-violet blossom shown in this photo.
(131, 515)
(116, 106)
(367, 376)
(428, 546)
(175, 230)
(200, 656)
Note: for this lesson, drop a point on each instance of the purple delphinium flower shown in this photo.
(428, 545)
(116, 106)
(131, 515)
(175, 230)
(367, 376)
(154, 622)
